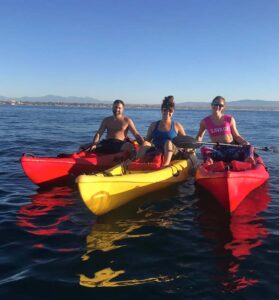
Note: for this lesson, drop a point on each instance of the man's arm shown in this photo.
(135, 133)
(98, 135)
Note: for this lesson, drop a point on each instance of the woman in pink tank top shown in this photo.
(222, 128)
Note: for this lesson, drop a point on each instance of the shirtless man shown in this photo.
(116, 127)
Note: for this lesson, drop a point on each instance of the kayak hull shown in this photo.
(230, 186)
(102, 193)
(45, 171)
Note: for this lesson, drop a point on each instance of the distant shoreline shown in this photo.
(192, 106)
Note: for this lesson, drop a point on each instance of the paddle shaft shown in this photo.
(231, 145)
(190, 142)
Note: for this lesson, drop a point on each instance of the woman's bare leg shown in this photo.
(142, 150)
(168, 152)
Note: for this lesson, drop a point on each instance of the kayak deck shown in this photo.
(44, 171)
(231, 183)
(107, 191)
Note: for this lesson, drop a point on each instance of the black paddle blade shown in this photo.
(272, 149)
(185, 141)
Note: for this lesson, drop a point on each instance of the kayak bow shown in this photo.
(231, 183)
(45, 171)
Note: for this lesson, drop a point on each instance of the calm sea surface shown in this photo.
(176, 243)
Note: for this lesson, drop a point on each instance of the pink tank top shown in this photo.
(220, 129)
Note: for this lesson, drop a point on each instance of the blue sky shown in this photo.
(140, 50)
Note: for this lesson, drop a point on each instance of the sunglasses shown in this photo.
(217, 104)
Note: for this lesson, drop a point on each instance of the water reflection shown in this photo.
(46, 215)
(116, 252)
(107, 238)
(234, 237)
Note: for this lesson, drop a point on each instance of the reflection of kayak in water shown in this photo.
(114, 255)
(107, 238)
(231, 182)
(40, 217)
(107, 191)
(246, 226)
(64, 169)
(234, 237)
(104, 278)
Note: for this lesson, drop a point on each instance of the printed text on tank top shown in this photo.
(218, 129)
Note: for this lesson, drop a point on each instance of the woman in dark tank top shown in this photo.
(161, 133)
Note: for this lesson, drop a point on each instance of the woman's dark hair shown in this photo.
(168, 103)
(118, 101)
(218, 98)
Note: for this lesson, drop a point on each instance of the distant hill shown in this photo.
(54, 98)
(50, 100)
(192, 104)
(254, 103)
(235, 104)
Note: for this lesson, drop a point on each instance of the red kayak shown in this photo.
(65, 168)
(231, 182)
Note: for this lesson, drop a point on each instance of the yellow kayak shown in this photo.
(104, 192)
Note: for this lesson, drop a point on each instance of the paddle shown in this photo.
(85, 148)
(189, 142)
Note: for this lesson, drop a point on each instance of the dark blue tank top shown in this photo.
(159, 138)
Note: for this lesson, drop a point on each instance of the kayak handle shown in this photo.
(177, 171)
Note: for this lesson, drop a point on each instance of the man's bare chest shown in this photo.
(117, 126)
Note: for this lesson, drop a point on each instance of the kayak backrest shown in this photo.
(237, 165)
(133, 142)
(234, 165)
(217, 166)
(146, 163)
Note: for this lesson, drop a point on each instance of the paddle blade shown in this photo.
(272, 149)
(185, 141)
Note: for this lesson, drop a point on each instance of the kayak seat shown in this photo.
(240, 165)
(136, 145)
(74, 155)
(133, 142)
(146, 163)
(64, 155)
(217, 166)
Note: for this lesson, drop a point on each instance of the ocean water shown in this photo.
(177, 243)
